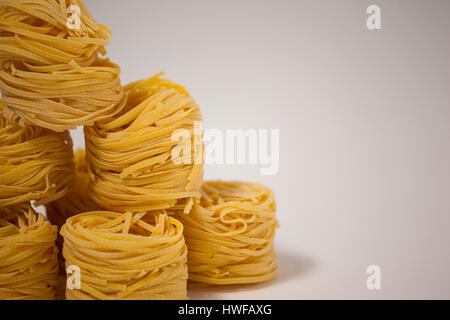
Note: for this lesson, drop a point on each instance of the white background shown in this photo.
(364, 128)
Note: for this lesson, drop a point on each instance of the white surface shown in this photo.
(364, 119)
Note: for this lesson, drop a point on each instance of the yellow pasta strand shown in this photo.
(35, 163)
(38, 32)
(126, 256)
(130, 157)
(74, 202)
(50, 75)
(143, 161)
(230, 234)
(28, 264)
(77, 199)
(61, 97)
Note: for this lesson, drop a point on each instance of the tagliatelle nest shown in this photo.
(230, 234)
(50, 75)
(35, 163)
(39, 32)
(131, 157)
(138, 256)
(28, 264)
(61, 97)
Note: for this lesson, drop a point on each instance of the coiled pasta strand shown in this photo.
(35, 163)
(130, 157)
(230, 234)
(37, 32)
(50, 75)
(28, 264)
(74, 202)
(61, 97)
(138, 256)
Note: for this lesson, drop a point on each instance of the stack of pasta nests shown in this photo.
(133, 211)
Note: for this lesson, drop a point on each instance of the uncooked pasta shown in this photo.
(28, 264)
(230, 234)
(138, 256)
(74, 202)
(131, 157)
(51, 76)
(143, 162)
(38, 32)
(35, 163)
(61, 97)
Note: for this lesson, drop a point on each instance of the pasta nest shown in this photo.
(37, 32)
(230, 234)
(35, 163)
(61, 97)
(28, 264)
(51, 75)
(137, 256)
(131, 157)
